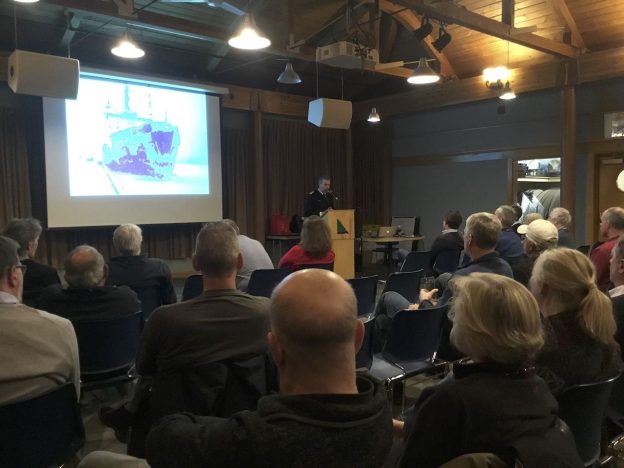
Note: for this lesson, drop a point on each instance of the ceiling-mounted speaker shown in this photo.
(330, 113)
(43, 75)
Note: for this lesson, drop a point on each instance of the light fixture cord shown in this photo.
(15, 25)
(317, 80)
(67, 26)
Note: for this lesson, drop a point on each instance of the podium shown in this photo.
(342, 227)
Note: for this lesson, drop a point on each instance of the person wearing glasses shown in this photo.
(39, 350)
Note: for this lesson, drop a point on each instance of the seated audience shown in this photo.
(135, 270)
(509, 245)
(562, 219)
(222, 324)
(492, 401)
(537, 237)
(449, 242)
(325, 414)
(39, 350)
(579, 325)
(480, 238)
(611, 228)
(315, 246)
(26, 232)
(86, 297)
(616, 294)
(255, 257)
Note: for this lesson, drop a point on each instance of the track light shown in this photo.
(248, 36)
(425, 29)
(444, 38)
(423, 74)
(373, 116)
(127, 48)
(507, 93)
(289, 75)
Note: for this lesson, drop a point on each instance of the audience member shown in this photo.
(315, 246)
(255, 257)
(39, 350)
(518, 214)
(492, 401)
(611, 228)
(86, 297)
(480, 238)
(26, 232)
(450, 242)
(324, 415)
(562, 218)
(509, 245)
(135, 270)
(579, 324)
(319, 200)
(616, 274)
(530, 217)
(219, 325)
(537, 237)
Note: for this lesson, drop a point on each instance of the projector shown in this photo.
(345, 54)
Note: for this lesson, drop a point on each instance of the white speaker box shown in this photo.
(43, 75)
(330, 113)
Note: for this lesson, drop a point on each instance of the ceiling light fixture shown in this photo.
(507, 93)
(26, 1)
(127, 48)
(423, 74)
(248, 36)
(444, 38)
(424, 30)
(495, 77)
(373, 116)
(289, 75)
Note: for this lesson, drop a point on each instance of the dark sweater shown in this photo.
(285, 431)
(38, 277)
(139, 271)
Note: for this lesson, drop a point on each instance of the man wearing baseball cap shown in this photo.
(536, 237)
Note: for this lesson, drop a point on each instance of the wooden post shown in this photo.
(260, 205)
(568, 149)
(349, 200)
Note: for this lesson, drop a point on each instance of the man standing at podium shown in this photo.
(319, 200)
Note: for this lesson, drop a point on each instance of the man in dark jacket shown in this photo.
(319, 200)
(448, 244)
(325, 414)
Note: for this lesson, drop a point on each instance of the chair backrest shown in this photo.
(262, 282)
(416, 261)
(364, 357)
(151, 298)
(414, 334)
(108, 345)
(193, 287)
(407, 284)
(322, 266)
(447, 261)
(582, 408)
(43, 431)
(408, 228)
(365, 289)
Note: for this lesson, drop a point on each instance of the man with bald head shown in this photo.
(86, 296)
(325, 415)
(611, 228)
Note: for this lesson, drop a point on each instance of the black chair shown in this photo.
(447, 261)
(364, 357)
(151, 298)
(43, 431)
(582, 407)
(411, 345)
(584, 249)
(416, 261)
(365, 289)
(193, 287)
(107, 349)
(407, 284)
(262, 282)
(322, 266)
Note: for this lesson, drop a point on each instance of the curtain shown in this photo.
(237, 163)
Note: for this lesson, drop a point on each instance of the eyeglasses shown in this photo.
(22, 267)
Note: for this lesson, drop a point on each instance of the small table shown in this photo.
(277, 244)
(389, 242)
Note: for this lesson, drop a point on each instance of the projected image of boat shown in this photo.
(140, 146)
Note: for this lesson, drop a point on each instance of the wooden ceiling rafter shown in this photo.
(450, 13)
(561, 7)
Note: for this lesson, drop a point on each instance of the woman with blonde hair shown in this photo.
(315, 246)
(578, 320)
(493, 401)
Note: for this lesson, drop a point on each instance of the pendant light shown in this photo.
(289, 75)
(423, 74)
(373, 117)
(248, 36)
(127, 48)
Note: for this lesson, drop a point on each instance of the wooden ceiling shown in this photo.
(188, 40)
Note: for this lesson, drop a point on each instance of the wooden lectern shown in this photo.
(342, 227)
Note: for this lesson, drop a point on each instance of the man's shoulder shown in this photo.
(37, 316)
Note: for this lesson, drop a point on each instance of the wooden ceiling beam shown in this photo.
(508, 12)
(561, 7)
(594, 66)
(450, 13)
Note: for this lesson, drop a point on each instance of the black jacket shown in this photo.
(316, 202)
(449, 241)
(285, 431)
(139, 271)
(38, 277)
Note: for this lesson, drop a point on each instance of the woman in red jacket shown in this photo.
(314, 248)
